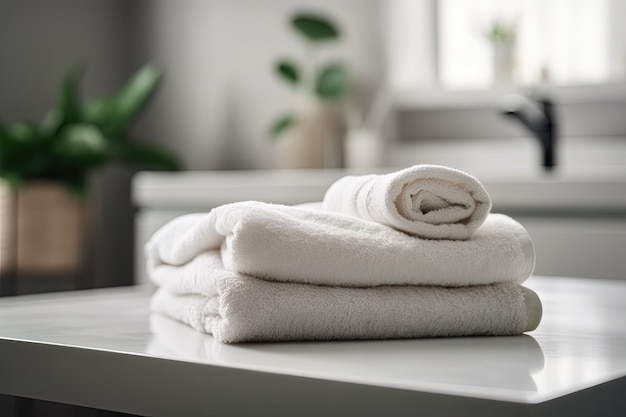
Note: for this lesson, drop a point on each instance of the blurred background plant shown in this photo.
(328, 82)
(502, 37)
(500, 31)
(77, 137)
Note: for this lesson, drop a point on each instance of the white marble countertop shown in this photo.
(101, 349)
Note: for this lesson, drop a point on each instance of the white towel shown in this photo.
(428, 201)
(237, 308)
(295, 244)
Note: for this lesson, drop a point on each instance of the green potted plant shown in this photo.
(310, 135)
(45, 168)
(76, 137)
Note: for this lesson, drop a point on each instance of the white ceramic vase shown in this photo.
(363, 149)
(503, 62)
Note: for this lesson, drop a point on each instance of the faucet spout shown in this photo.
(537, 115)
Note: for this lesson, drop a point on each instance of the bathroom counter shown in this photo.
(102, 349)
(601, 189)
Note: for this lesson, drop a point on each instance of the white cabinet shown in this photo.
(578, 247)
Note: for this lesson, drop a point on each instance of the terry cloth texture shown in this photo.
(238, 308)
(304, 245)
(428, 201)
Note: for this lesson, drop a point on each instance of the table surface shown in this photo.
(580, 343)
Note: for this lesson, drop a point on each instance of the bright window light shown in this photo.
(478, 44)
(555, 41)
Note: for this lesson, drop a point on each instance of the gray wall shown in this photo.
(221, 93)
(39, 40)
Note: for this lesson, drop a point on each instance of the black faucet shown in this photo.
(537, 114)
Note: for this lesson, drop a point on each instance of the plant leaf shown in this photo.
(7, 143)
(6, 138)
(21, 150)
(147, 156)
(81, 145)
(332, 81)
(281, 125)
(98, 112)
(51, 123)
(289, 71)
(122, 108)
(11, 177)
(7, 160)
(68, 109)
(314, 27)
(77, 185)
(72, 140)
(23, 132)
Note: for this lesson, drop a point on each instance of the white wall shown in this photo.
(221, 94)
(618, 37)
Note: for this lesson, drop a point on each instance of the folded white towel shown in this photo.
(428, 201)
(238, 308)
(304, 245)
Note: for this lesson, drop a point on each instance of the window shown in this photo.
(478, 44)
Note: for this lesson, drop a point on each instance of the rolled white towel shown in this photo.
(238, 308)
(428, 201)
(305, 245)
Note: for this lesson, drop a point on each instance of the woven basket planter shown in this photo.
(43, 231)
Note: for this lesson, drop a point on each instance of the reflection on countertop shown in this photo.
(580, 343)
(476, 365)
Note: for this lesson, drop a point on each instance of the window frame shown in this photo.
(422, 88)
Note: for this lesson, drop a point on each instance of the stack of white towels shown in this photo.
(415, 253)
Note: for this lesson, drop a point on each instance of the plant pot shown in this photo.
(315, 140)
(43, 235)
